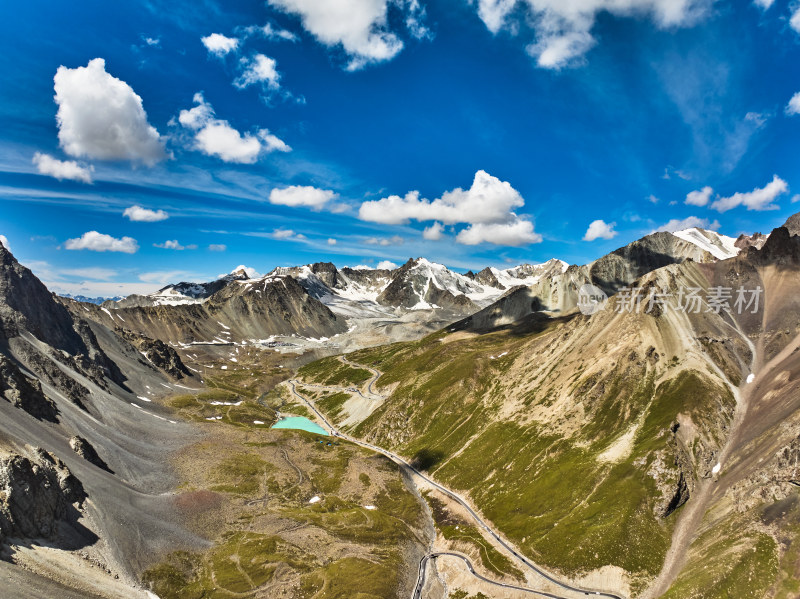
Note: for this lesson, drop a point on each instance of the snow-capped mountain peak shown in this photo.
(720, 246)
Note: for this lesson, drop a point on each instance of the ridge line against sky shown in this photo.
(175, 140)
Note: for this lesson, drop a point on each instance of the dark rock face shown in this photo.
(782, 248)
(159, 353)
(25, 393)
(486, 277)
(327, 273)
(85, 449)
(35, 495)
(445, 299)
(680, 497)
(27, 305)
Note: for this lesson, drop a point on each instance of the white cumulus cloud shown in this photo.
(250, 272)
(386, 265)
(793, 107)
(794, 22)
(359, 27)
(489, 200)
(700, 197)
(688, 223)
(563, 29)
(259, 69)
(101, 117)
(62, 169)
(298, 195)
(220, 45)
(215, 137)
(487, 207)
(759, 199)
(100, 242)
(331, 241)
(144, 215)
(434, 232)
(217, 247)
(599, 229)
(763, 4)
(515, 233)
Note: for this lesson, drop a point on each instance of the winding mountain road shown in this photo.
(452, 495)
(431, 556)
(375, 376)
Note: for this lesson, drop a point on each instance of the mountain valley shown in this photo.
(346, 432)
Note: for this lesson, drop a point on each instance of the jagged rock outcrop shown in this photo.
(25, 393)
(782, 248)
(792, 224)
(159, 354)
(487, 277)
(85, 449)
(756, 240)
(35, 495)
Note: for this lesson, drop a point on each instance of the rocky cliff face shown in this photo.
(25, 393)
(86, 450)
(35, 494)
(487, 277)
(158, 353)
(756, 240)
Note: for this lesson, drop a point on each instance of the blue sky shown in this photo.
(483, 133)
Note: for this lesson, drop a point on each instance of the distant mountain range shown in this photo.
(92, 300)
(321, 301)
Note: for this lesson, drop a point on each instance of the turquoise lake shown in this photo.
(302, 424)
